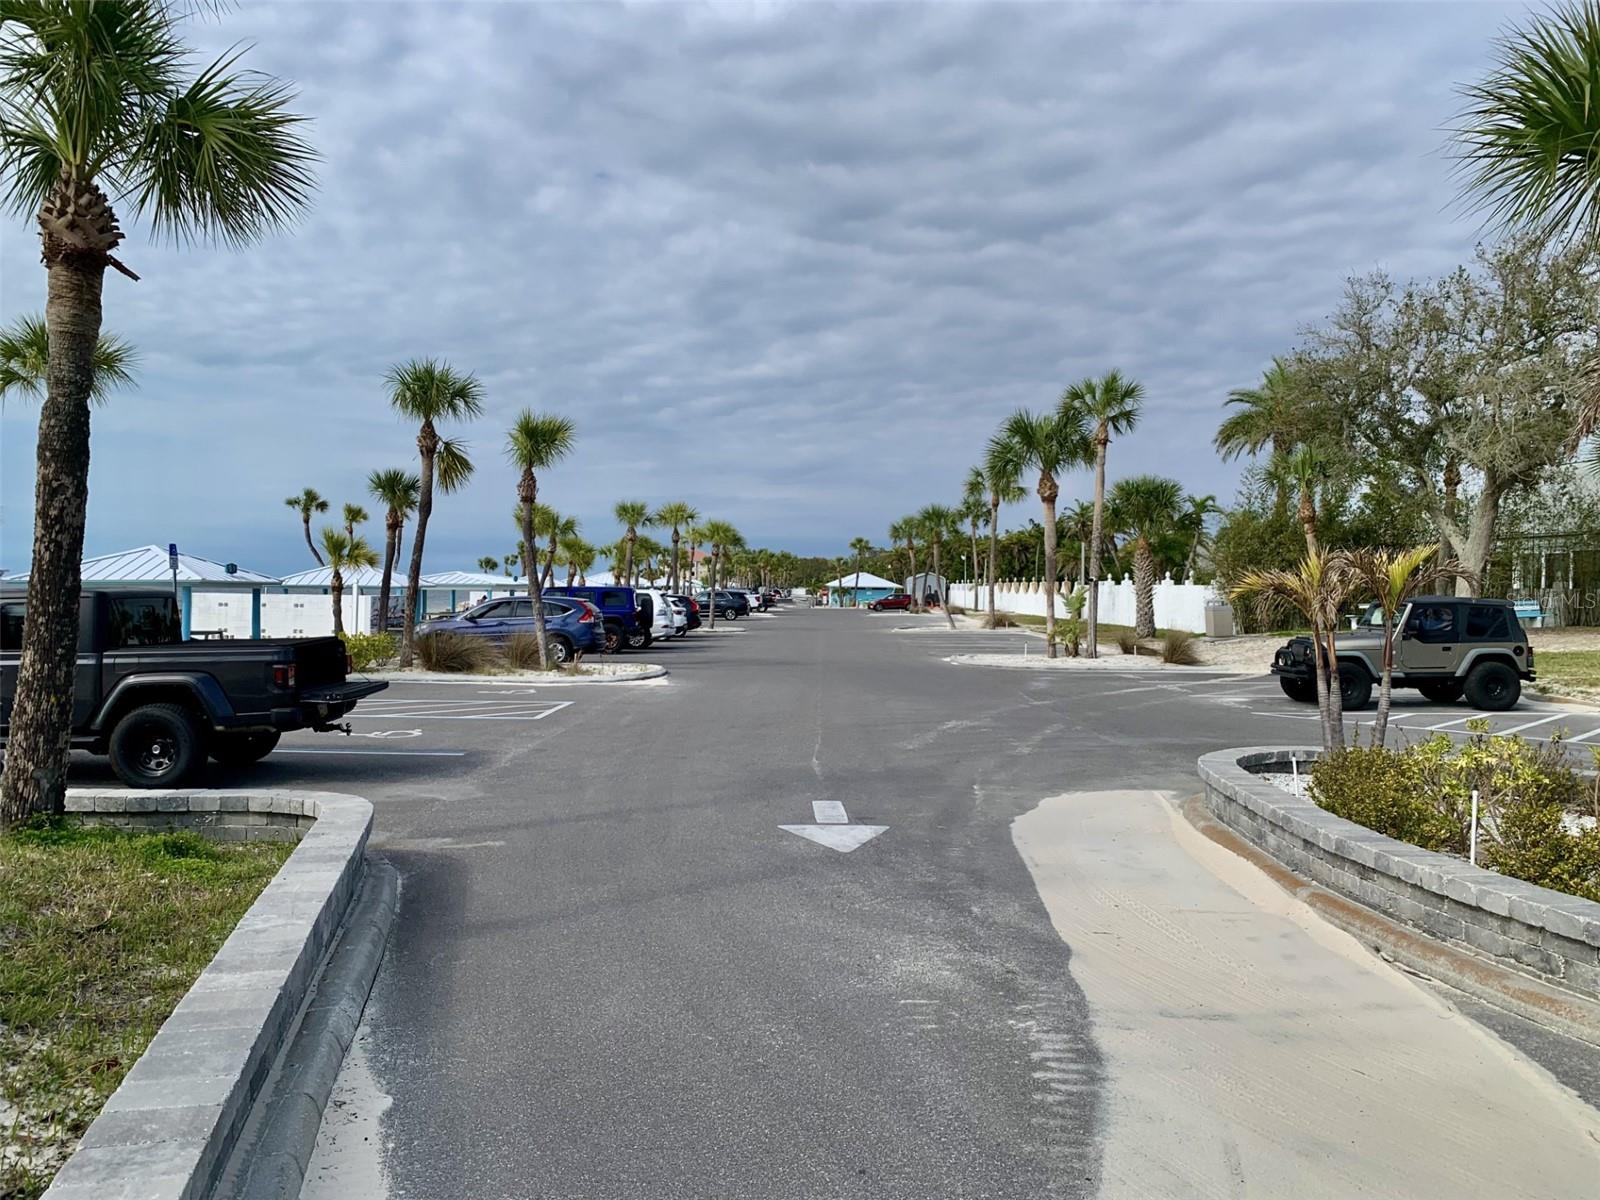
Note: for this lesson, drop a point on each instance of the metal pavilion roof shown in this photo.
(470, 579)
(867, 580)
(148, 564)
(361, 577)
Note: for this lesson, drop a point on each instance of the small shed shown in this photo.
(925, 583)
(855, 588)
(217, 599)
(303, 606)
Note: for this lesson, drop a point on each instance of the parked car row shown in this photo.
(602, 619)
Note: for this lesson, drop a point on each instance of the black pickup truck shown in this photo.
(158, 705)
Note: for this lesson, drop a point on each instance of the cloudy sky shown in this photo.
(791, 263)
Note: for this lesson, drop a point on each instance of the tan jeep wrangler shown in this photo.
(1445, 646)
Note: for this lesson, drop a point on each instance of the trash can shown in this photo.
(1219, 619)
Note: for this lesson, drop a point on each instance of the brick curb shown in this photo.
(168, 1129)
(1547, 935)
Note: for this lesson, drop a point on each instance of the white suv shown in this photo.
(665, 621)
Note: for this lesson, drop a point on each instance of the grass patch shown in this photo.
(101, 934)
(1108, 633)
(1570, 668)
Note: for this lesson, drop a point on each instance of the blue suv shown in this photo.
(571, 626)
(628, 615)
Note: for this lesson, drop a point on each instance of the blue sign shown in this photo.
(172, 556)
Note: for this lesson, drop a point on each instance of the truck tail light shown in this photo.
(283, 675)
(349, 664)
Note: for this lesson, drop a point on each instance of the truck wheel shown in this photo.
(1355, 688)
(156, 745)
(613, 639)
(1302, 691)
(1493, 687)
(1441, 691)
(636, 639)
(242, 749)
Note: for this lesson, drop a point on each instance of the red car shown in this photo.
(899, 600)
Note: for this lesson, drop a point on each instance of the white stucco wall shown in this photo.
(1178, 605)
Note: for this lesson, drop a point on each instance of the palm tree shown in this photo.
(101, 98)
(860, 547)
(723, 538)
(555, 529)
(511, 560)
(489, 565)
(1393, 578)
(1148, 506)
(307, 504)
(939, 522)
(1267, 415)
(1047, 443)
(344, 551)
(1318, 588)
(536, 443)
(354, 515)
(1529, 143)
(1078, 524)
(428, 391)
(694, 535)
(974, 508)
(677, 516)
(905, 530)
(578, 556)
(1004, 485)
(1197, 511)
(630, 515)
(1300, 471)
(398, 491)
(25, 361)
(1110, 405)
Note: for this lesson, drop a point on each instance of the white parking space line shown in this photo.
(466, 710)
(373, 753)
(1584, 737)
(829, 812)
(1452, 721)
(1530, 724)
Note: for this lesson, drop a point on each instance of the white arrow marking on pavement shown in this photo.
(393, 733)
(833, 828)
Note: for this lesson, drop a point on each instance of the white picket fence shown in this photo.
(1178, 605)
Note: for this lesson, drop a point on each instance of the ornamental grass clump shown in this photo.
(453, 653)
(1529, 800)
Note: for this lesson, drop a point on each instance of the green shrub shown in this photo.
(369, 650)
(1127, 643)
(1179, 649)
(999, 621)
(453, 653)
(1422, 794)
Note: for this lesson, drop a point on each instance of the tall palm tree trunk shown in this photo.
(391, 546)
(677, 562)
(938, 586)
(427, 447)
(1092, 642)
(916, 590)
(305, 524)
(994, 549)
(1335, 695)
(711, 592)
(1380, 725)
(528, 493)
(38, 738)
(336, 587)
(1047, 496)
(1319, 663)
(1144, 580)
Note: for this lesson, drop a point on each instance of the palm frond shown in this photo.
(537, 441)
(25, 361)
(451, 466)
(426, 389)
(1529, 141)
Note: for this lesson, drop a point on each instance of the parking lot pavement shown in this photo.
(618, 972)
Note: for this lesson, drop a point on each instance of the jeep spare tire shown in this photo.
(1493, 687)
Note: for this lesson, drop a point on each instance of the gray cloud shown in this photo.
(790, 263)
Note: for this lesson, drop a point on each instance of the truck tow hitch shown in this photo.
(327, 728)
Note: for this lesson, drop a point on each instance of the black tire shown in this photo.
(156, 746)
(730, 614)
(1493, 687)
(1355, 687)
(1301, 691)
(613, 639)
(1440, 691)
(242, 749)
(558, 650)
(636, 639)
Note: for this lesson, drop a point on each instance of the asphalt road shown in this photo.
(615, 975)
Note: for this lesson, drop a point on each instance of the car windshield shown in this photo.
(1372, 618)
